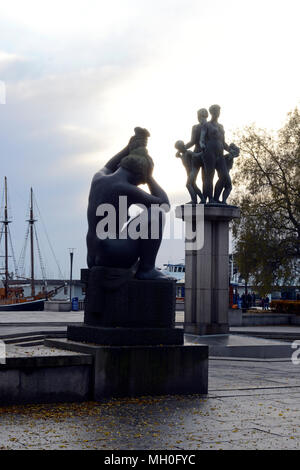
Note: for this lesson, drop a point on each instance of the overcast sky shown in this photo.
(80, 75)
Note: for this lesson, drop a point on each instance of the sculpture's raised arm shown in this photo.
(113, 164)
(157, 191)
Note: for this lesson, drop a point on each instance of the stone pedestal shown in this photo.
(128, 303)
(207, 268)
(129, 371)
(120, 310)
(129, 328)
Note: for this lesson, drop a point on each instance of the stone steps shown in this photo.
(30, 338)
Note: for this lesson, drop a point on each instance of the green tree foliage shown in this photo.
(267, 182)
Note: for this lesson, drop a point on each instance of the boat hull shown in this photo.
(31, 305)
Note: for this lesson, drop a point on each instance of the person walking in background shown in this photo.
(267, 302)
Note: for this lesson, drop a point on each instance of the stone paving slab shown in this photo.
(229, 345)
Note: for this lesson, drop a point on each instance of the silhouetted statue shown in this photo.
(212, 142)
(196, 131)
(187, 161)
(208, 139)
(224, 181)
(193, 160)
(124, 243)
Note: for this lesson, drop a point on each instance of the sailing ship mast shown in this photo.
(12, 297)
(31, 226)
(6, 222)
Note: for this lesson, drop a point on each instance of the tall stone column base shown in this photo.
(207, 267)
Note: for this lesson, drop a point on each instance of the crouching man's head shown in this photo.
(139, 164)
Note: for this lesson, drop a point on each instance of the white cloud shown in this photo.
(5, 57)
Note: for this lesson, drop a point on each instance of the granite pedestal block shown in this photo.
(207, 268)
(120, 310)
(127, 303)
(124, 336)
(129, 327)
(128, 371)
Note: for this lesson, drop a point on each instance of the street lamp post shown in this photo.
(71, 271)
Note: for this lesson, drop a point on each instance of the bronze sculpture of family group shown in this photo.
(133, 166)
(208, 139)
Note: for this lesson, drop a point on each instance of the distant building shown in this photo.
(235, 282)
(177, 271)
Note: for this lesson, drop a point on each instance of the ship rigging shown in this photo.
(12, 293)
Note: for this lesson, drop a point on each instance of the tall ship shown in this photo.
(12, 297)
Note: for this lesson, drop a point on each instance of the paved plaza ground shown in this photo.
(25, 322)
(251, 404)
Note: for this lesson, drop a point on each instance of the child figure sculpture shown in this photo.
(224, 182)
(192, 162)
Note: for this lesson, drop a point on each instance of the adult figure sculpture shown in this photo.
(193, 161)
(196, 131)
(120, 177)
(212, 142)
